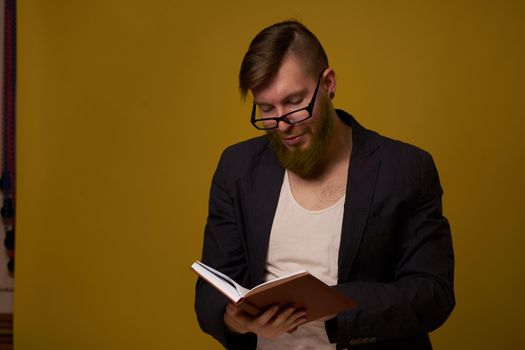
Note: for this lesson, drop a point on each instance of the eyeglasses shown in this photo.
(291, 118)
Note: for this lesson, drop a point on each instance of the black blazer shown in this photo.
(395, 258)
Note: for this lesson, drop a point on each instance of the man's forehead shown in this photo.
(263, 99)
(291, 79)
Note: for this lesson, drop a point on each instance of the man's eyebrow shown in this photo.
(300, 93)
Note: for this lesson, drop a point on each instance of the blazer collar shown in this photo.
(363, 140)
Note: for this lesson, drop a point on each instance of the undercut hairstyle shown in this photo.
(271, 46)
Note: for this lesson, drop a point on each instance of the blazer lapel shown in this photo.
(361, 182)
(267, 188)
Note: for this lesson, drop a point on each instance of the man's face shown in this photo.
(299, 147)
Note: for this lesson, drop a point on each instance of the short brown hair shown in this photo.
(269, 48)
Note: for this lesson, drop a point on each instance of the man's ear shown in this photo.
(329, 82)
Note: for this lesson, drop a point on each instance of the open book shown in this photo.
(300, 289)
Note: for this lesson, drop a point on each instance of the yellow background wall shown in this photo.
(124, 107)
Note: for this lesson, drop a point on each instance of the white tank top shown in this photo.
(303, 239)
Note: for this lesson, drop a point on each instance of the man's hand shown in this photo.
(273, 322)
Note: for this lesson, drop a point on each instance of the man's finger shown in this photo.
(283, 317)
(238, 314)
(296, 323)
(267, 315)
(292, 319)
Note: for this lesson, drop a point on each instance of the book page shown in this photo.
(232, 289)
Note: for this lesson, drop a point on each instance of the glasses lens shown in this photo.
(266, 124)
(298, 116)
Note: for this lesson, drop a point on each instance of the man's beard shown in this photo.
(304, 162)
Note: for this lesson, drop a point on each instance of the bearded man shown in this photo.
(319, 192)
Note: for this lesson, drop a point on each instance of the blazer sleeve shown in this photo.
(222, 249)
(420, 296)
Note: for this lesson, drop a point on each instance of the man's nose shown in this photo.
(284, 126)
